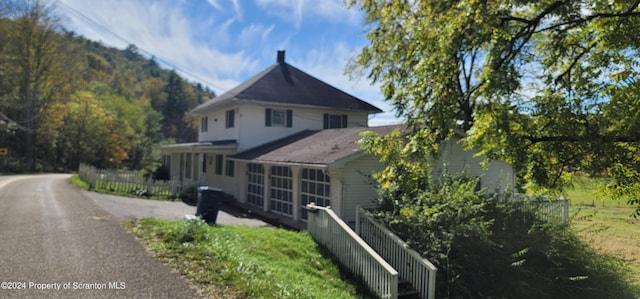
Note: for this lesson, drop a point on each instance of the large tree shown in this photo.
(34, 64)
(550, 86)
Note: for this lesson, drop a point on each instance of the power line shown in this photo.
(148, 53)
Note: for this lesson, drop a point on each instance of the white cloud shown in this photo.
(165, 31)
(296, 11)
(215, 4)
(222, 44)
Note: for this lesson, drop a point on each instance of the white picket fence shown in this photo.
(546, 208)
(353, 253)
(420, 272)
(122, 181)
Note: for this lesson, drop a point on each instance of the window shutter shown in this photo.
(325, 121)
(344, 121)
(289, 118)
(267, 117)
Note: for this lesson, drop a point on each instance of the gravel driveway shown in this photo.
(126, 208)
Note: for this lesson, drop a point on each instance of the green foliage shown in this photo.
(245, 262)
(484, 246)
(45, 71)
(549, 86)
(490, 247)
(78, 182)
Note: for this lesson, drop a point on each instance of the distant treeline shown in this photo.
(65, 99)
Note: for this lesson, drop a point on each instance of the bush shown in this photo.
(486, 247)
(190, 196)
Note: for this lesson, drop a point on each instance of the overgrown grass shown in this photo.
(606, 224)
(245, 262)
(79, 182)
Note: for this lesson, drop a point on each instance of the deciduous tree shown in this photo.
(549, 86)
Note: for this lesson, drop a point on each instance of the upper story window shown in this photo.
(332, 121)
(278, 118)
(204, 124)
(230, 121)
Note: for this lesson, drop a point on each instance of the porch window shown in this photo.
(187, 166)
(219, 162)
(316, 187)
(281, 194)
(255, 184)
(230, 168)
(204, 163)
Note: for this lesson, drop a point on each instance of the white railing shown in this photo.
(410, 265)
(130, 182)
(547, 209)
(353, 253)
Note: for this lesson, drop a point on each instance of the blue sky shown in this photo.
(221, 43)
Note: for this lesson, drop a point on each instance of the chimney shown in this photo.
(280, 58)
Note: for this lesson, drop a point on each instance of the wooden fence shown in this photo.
(122, 181)
(333, 233)
(410, 265)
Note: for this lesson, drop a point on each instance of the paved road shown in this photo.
(126, 208)
(53, 235)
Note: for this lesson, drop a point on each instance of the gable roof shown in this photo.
(319, 148)
(286, 85)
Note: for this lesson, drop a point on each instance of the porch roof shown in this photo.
(216, 144)
(321, 148)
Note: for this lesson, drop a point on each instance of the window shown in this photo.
(219, 162)
(332, 121)
(230, 118)
(204, 124)
(278, 118)
(187, 166)
(230, 168)
(204, 163)
(316, 188)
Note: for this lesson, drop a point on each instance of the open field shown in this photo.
(606, 224)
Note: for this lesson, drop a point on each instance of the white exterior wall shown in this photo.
(217, 129)
(249, 124)
(231, 185)
(253, 132)
(497, 178)
(357, 186)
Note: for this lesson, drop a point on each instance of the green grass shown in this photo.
(78, 182)
(606, 224)
(245, 262)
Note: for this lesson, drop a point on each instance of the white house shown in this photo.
(284, 139)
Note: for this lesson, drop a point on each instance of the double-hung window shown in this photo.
(230, 121)
(332, 121)
(278, 118)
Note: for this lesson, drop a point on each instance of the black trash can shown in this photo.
(209, 200)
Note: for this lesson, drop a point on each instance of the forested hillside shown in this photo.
(65, 99)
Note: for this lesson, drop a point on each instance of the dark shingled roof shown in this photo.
(312, 147)
(287, 85)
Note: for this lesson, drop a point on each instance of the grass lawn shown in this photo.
(606, 224)
(245, 262)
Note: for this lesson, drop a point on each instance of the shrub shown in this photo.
(487, 247)
(190, 195)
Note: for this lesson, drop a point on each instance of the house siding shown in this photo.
(358, 187)
(253, 131)
(217, 129)
(498, 177)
